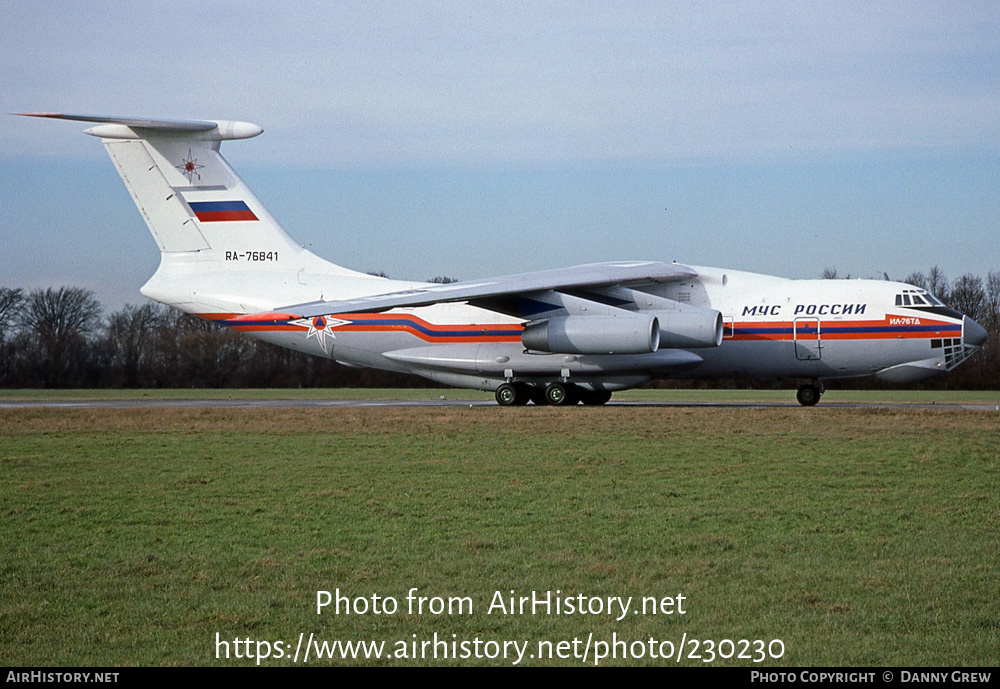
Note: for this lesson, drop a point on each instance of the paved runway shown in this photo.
(361, 403)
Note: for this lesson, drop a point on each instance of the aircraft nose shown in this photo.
(974, 334)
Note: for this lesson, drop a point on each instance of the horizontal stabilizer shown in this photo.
(118, 127)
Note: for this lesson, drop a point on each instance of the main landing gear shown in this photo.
(555, 394)
(808, 395)
(513, 394)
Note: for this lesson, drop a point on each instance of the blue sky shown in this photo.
(471, 139)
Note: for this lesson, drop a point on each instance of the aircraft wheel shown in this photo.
(595, 397)
(507, 395)
(558, 394)
(808, 395)
(524, 392)
(537, 395)
(573, 394)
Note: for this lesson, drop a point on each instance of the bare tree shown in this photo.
(829, 273)
(128, 334)
(993, 301)
(917, 279)
(59, 321)
(11, 301)
(969, 296)
(937, 283)
(442, 280)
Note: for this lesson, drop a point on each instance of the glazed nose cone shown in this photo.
(974, 334)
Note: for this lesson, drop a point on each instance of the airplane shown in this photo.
(557, 337)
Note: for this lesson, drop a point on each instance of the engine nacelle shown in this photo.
(625, 334)
(690, 328)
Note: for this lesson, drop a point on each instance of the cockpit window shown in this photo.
(917, 297)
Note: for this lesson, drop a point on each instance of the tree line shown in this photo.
(60, 338)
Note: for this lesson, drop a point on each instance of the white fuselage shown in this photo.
(773, 327)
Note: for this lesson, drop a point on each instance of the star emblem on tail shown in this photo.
(189, 167)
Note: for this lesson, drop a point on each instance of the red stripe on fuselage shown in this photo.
(379, 322)
(889, 328)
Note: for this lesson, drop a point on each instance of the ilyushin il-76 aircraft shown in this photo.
(558, 337)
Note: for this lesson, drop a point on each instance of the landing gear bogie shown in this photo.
(557, 394)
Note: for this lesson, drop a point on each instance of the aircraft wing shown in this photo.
(576, 277)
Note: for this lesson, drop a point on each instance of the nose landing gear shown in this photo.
(808, 395)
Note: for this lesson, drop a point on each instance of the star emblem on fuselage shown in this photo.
(320, 327)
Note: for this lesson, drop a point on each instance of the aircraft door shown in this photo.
(806, 334)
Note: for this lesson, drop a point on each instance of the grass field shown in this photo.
(855, 536)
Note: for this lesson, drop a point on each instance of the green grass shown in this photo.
(242, 394)
(857, 537)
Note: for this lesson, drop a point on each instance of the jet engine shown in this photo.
(690, 328)
(625, 334)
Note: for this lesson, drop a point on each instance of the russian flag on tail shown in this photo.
(222, 211)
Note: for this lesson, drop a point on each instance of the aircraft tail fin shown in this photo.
(212, 231)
